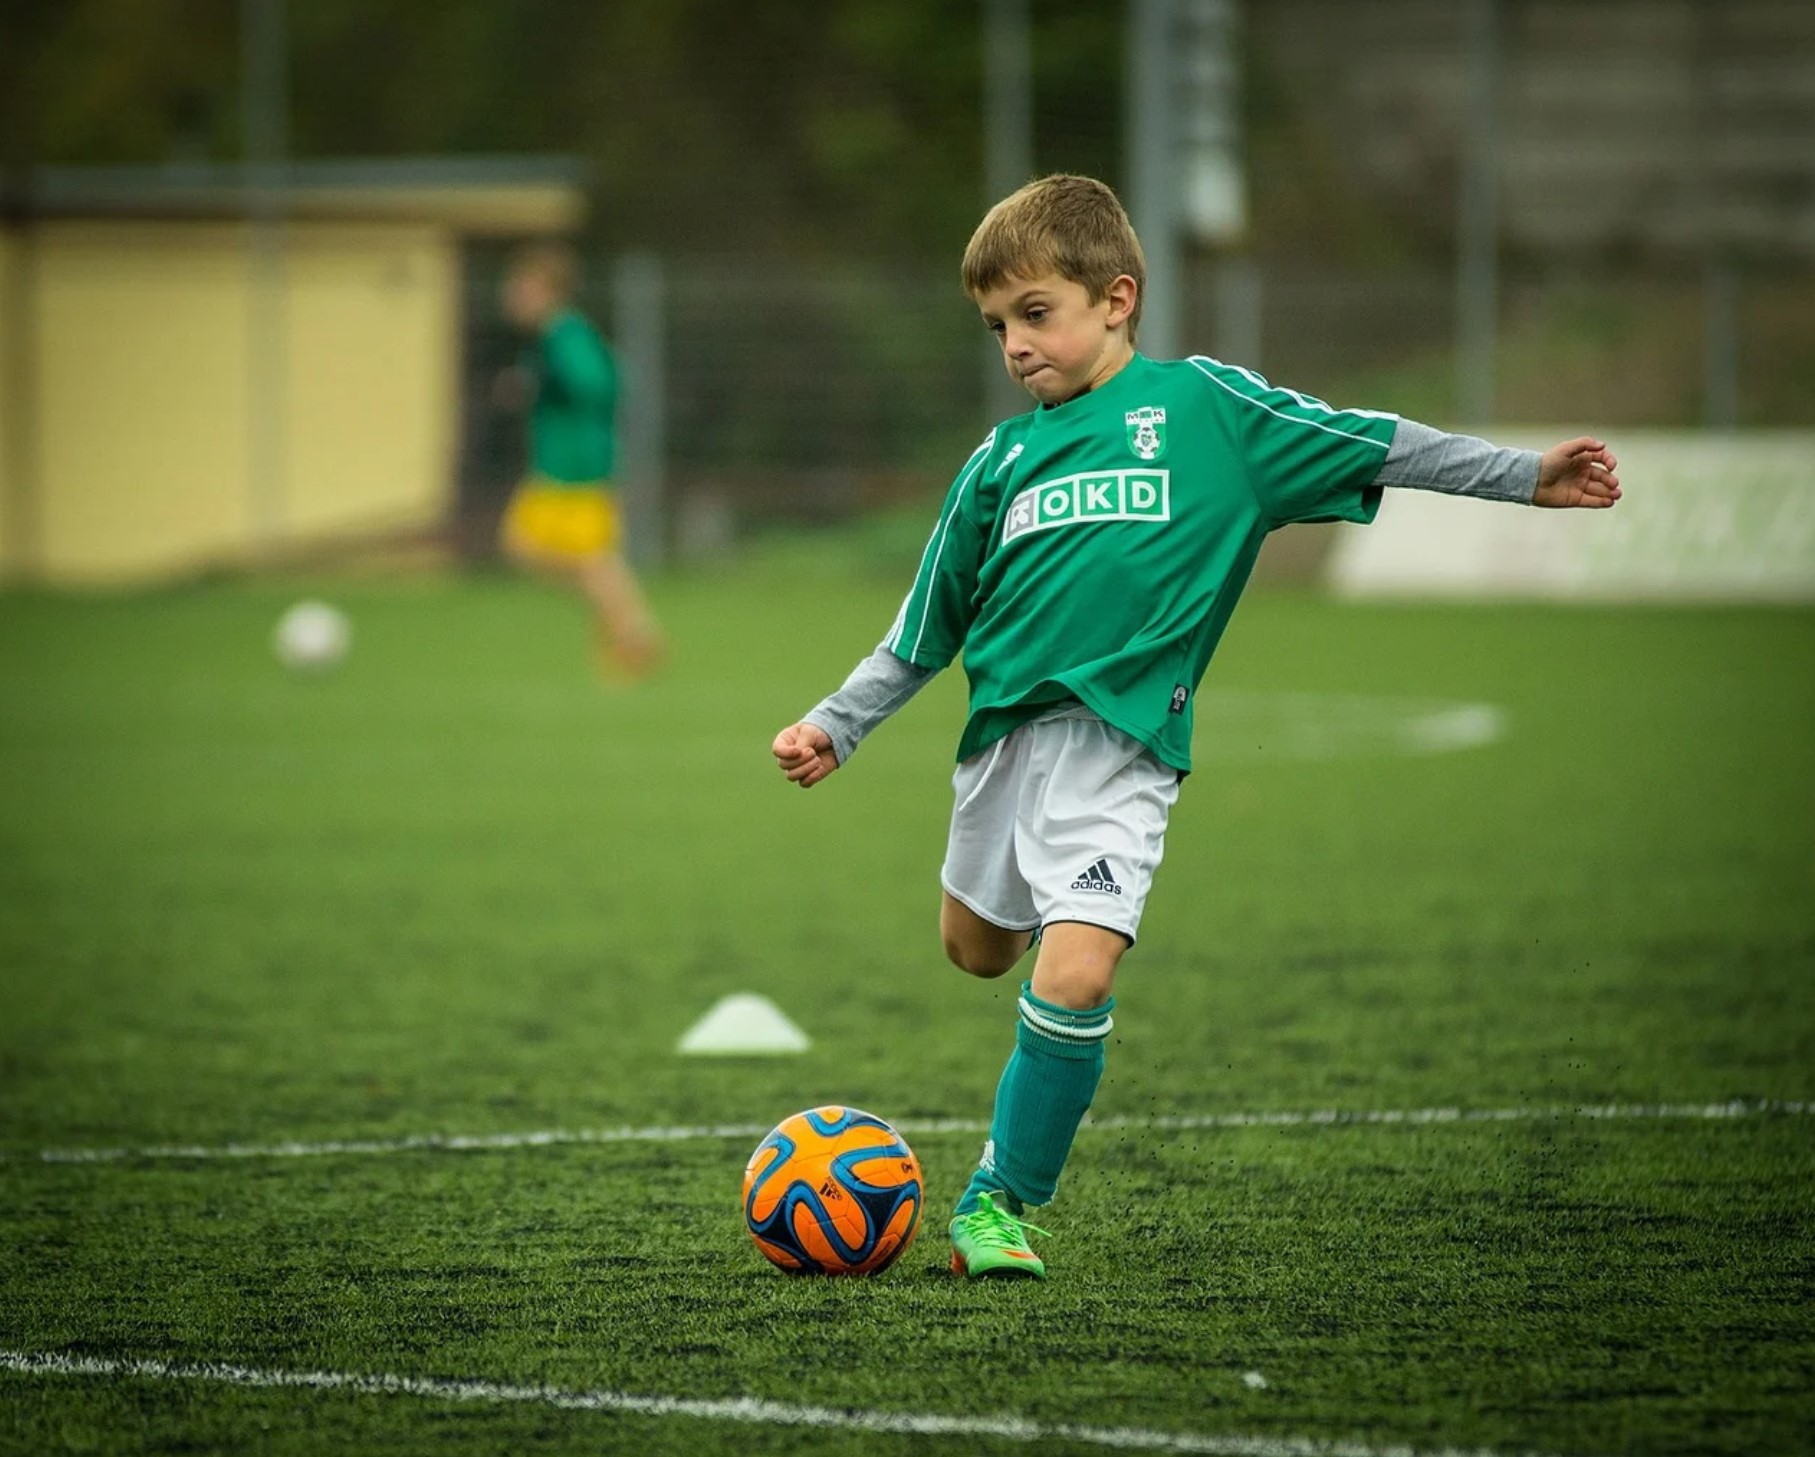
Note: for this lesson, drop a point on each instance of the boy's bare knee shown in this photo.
(1079, 988)
(1077, 964)
(983, 961)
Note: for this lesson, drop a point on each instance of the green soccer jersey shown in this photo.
(571, 436)
(1093, 551)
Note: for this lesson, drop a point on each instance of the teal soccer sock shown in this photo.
(1044, 1094)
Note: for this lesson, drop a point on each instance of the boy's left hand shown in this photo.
(1578, 472)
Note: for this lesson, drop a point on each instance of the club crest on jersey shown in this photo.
(1106, 495)
(1147, 431)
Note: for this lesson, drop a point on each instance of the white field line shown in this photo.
(1161, 1123)
(742, 1409)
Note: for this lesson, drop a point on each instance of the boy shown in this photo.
(1086, 561)
(563, 518)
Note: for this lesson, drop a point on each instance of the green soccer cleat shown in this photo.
(992, 1242)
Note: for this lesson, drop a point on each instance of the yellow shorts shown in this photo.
(556, 520)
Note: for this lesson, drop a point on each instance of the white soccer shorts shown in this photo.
(1062, 820)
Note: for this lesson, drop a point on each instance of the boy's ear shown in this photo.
(1122, 294)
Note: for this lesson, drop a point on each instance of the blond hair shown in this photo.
(555, 264)
(1064, 224)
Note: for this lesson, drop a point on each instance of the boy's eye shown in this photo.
(996, 327)
(1035, 315)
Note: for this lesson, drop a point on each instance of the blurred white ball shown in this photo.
(312, 637)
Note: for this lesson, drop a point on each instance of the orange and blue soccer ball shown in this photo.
(832, 1191)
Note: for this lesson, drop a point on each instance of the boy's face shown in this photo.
(1055, 342)
(529, 298)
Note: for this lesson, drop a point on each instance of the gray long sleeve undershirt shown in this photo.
(1420, 457)
(878, 686)
(1460, 465)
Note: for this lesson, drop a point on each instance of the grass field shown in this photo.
(462, 888)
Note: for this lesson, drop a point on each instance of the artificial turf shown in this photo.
(462, 887)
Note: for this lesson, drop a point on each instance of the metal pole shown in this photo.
(1209, 129)
(1152, 172)
(1720, 361)
(1214, 164)
(1720, 276)
(1477, 224)
(1008, 143)
(1239, 310)
(1008, 96)
(265, 111)
(639, 335)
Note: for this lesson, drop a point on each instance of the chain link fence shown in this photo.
(797, 397)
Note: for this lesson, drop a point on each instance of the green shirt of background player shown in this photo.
(563, 518)
(1086, 562)
(572, 429)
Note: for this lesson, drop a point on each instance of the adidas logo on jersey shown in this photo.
(1110, 495)
(1097, 877)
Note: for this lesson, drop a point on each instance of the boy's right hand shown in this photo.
(804, 752)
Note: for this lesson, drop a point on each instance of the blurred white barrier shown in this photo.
(1705, 516)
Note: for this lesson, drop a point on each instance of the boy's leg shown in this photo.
(1089, 834)
(987, 918)
(1076, 966)
(528, 557)
(1053, 1072)
(975, 945)
(622, 610)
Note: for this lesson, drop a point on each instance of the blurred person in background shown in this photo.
(563, 519)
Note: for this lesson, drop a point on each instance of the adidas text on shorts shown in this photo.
(1062, 820)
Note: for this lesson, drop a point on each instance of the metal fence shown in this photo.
(788, 396)
(1474, 212)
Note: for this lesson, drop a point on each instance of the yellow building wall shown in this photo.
(372, 389)
(147, 342)
(141, 384)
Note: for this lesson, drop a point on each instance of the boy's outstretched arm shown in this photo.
(827, 737)
(1579, 472)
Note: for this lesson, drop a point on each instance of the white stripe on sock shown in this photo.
(1064, 1031)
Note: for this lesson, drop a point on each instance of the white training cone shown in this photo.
(743, 1022)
